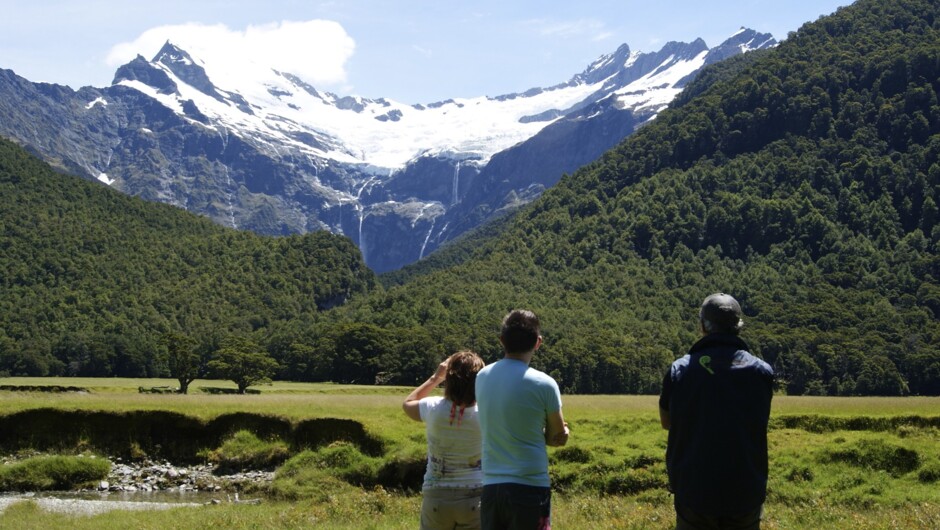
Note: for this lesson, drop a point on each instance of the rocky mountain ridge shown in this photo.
(265, 151)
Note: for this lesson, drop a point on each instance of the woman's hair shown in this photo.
(459, 383)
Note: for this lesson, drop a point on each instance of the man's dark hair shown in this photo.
(721, 313)
(520, 331)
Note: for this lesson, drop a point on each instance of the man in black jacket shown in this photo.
(715, 403)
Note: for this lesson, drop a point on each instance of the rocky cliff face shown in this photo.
(275, 156)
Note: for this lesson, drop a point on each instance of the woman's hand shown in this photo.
(411, 405)
(441, 372)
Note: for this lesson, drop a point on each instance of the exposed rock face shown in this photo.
(276, 156)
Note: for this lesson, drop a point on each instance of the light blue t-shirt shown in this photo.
(514, 401)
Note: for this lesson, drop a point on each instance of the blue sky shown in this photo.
(413, 51)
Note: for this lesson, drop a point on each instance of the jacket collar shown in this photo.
(718, 340)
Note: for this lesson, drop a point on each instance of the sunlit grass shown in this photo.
(834, 478)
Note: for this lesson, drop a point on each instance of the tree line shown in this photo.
(91, 280)
(804, 180)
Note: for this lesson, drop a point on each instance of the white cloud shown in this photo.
(315, 50)
(423, 51)
(569, 28)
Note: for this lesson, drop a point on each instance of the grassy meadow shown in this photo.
(835, 462)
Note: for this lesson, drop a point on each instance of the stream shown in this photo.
(95, 503)
(145, 485)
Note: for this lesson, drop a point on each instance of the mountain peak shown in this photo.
(178, 61)
(171, 54)
(744, 40)
(607, 65)
(143, 71)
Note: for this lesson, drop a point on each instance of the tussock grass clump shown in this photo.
(634, 481)
(244, 450)
(48, 473)
(929, 474)
(642, 461)
(404, 471)
(816, 423)
(573, 454)
(632, 475)
(800, 474)
(876, 455)
(324, 472)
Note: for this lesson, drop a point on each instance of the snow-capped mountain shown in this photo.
(260, 149)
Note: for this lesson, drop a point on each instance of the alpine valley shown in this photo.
(262, 150)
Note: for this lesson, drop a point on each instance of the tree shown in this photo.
(182, 359)
(242, 361)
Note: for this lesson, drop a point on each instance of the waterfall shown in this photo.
(362, 244)
(361, 210)
(456, 183)
(425, 244)
(223, 137)
(231, 207)
(363, 187)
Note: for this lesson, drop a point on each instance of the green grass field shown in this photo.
(835, 462)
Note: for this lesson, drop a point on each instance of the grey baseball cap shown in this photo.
(721, 313)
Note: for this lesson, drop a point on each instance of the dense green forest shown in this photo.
(804, 180)
(92, 280)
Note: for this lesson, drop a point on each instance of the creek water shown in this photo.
(91, 503)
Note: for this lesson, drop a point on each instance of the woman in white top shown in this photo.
(453, 482)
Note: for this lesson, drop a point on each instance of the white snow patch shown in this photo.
(97, 101)
(382, 136)
(655, 90)
(103, 177)
(477, 127)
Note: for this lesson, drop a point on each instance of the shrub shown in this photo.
(45, 473)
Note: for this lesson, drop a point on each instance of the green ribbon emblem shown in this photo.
(705, 360)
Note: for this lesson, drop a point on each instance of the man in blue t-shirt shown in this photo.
(715, 402)
(520, 414)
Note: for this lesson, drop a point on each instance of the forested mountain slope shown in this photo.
(90, 278)
(804, 181)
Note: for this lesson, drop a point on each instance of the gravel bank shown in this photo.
(143, 479)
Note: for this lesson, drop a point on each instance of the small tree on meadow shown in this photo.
(182, 359)
(242, 361)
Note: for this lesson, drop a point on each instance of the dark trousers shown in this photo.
(510, 506)
(688, 520)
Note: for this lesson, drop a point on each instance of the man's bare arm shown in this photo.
(556, 430)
